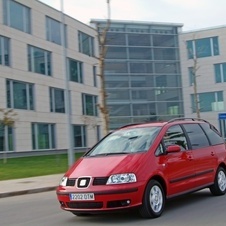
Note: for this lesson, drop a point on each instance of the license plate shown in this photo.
(82, 196)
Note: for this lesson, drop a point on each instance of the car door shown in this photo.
(205, 159)
(179, 166)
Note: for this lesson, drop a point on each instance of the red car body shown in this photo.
(175, 172)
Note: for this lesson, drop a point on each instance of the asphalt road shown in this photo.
(42, 209)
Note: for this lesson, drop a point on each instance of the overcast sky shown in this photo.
(193, 14)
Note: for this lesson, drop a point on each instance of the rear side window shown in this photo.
(196, 135)
(212, 134)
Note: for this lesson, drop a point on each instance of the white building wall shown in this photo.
(206, 75)
(18, 70)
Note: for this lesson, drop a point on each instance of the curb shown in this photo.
(26, 192)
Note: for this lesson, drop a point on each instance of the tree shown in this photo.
(102, 39)
(195, 68)
(194, 76)
(7, 120)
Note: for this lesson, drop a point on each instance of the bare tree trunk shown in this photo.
(5, 144)
(193, 53)
(102, 35)
(194, 73)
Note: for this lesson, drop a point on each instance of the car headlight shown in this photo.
(122, 178)
(63, 181)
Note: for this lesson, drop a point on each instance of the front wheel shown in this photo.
(153, 201)
(219, 186)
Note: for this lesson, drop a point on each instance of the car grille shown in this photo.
(85, 205)
(71, 182)
(100, 180)
(96, 181)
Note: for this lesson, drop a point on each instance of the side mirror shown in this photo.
(173, 148)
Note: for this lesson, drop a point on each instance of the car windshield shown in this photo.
(126, 141)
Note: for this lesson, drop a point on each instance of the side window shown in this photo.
(196, 135)
(175, 135)
(212, 134)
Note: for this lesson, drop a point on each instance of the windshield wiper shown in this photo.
(111, 153)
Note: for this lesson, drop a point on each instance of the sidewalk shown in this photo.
(29, 185)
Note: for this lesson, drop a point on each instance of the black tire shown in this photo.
(219, 186)
(153, 202)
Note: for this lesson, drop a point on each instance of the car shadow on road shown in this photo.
(172, 206)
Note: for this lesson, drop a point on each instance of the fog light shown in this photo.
(125, 202)
(62, 204)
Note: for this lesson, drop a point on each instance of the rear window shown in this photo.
(196, 136)
(212, 134)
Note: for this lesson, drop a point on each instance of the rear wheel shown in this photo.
(153, 201)
(219, 186)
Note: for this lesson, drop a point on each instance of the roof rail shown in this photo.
(193, 119)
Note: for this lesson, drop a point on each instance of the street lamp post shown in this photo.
(71, 157)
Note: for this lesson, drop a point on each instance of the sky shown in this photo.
(193, 14)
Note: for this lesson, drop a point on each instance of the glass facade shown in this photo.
(17, 16)
(4, 51)
(142, 72)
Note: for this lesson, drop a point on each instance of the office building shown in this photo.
(203, 63)
(48, 77)
(142, 71)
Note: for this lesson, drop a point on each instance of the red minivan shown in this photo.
(141, 166)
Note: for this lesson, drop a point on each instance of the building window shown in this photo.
(9, 132)
(95, 76)
(20, 95)
(79, 134)
(220, 72)
(86, 44)
(53, 31)
(204, 47)
(17, 15)
(57, 100)
(98, 133)
(4, 51)
(39, 61)
(210, 101)
(89, 104)
(43, 136)
(75, 70)
(191, 76)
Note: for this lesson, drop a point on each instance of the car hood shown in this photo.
(105, 165)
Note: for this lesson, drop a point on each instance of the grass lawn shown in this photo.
(16, 168)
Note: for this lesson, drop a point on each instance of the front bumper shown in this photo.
(107, 198)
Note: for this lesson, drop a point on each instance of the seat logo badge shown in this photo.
(82, 182)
